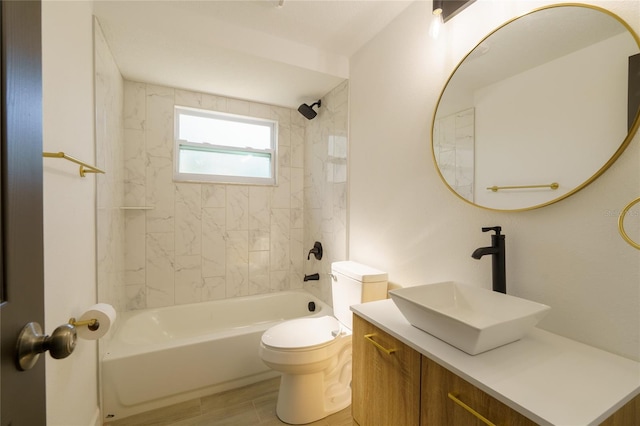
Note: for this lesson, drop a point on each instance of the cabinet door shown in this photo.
(627, 415)
(439, 409)
(385, 386)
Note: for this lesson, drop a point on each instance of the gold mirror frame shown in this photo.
(623, 233)
(631, 133)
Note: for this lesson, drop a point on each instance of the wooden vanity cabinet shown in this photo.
(394, 384)
(439, 409)
(386, 378)
(445, 395)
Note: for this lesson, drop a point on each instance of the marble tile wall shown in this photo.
(454, 148)
(325, 187)
(206, 241)
(211, 241)
(110, 225)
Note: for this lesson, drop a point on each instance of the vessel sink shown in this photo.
(470, 318)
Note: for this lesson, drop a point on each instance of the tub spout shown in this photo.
(312, 277)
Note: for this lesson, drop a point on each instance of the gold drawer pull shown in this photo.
(369, 337)
(479, 416)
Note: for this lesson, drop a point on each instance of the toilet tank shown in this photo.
(353, 283)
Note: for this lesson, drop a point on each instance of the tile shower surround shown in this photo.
(212, 241)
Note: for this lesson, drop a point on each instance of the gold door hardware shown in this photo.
(553, 186)
(92, 324)
(84, 167)
(623, 233)
(369, 337)
(454, 397)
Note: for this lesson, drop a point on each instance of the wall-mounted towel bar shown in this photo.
(84, 167)
(552, 186)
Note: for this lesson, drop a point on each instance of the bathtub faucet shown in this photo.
(312, 277)
(316, 251)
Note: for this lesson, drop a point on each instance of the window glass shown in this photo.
(216, 147)
(225, 163)
(224, 131)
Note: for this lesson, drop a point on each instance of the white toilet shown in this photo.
(314, 354)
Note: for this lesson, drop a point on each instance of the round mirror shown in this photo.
(539, 108)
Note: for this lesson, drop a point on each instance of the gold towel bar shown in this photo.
(623, 233)
(84, 167)
(554, 186)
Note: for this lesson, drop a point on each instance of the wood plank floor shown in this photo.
(247, 406)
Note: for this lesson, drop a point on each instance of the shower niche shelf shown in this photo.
(137, 208)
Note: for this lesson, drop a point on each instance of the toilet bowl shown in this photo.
(314, 354)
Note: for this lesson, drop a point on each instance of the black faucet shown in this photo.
(312, 277)
(497, 251)
(316, 251)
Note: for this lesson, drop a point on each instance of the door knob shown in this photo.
(31, 343)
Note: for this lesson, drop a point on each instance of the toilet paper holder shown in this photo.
(92, 324)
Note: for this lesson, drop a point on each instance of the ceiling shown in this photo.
(254, 50)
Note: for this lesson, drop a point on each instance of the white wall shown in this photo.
(405, 221)
(69, 205)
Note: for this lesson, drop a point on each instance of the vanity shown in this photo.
(403, 376)
(493, 149)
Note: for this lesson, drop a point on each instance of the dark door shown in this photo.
(22, 393)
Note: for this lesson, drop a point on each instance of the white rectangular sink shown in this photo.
(470, 318)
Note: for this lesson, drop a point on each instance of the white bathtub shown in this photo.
(159, 357)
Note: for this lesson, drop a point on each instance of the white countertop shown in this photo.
(550, 379)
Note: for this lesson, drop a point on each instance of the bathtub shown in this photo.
(158, 357)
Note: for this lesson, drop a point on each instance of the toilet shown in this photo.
(314, 354)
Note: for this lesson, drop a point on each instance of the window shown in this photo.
(216, 147)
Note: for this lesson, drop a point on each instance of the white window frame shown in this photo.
(208, 147)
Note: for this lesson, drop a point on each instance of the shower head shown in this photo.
(308, 111)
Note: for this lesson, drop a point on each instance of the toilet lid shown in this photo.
(302, 333)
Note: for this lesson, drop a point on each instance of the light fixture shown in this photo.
(437, 7)
(436, 20)
(443, 10)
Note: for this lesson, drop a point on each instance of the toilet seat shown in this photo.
(302, 334)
